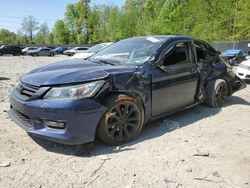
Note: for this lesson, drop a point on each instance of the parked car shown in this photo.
(117, 90)
(91, 51)
(75, 50)
(243, 70)
(27, 49)
(41, 52)
(51, 47)
(235, 56)
(8, 49)
(60, 50)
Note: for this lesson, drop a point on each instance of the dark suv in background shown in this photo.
(8, 49)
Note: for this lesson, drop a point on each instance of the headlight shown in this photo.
(243, 66)
(75, 92)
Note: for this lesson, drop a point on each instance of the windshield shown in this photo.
(96, 48)
(1, 46)
(133, 51)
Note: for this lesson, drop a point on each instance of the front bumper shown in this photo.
(81, 118)
(243, 73)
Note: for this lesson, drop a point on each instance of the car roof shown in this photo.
(165, 38)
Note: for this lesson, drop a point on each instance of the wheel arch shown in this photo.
(229, 86)
(120, 95)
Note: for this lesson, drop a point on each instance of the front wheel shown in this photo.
(122, 122)
(216, 92)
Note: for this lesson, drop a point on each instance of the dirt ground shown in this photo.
(199, 147)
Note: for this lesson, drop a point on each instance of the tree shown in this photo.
(51, 38)
(242, 27)
(7, 37)
(208, 20)
(29, 26)
(43, 34)
(44, 30)
(76, 17)
(61, 33)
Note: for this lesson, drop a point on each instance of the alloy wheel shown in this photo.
(123, 120)
(220, 95)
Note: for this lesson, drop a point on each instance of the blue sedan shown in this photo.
(112, 94)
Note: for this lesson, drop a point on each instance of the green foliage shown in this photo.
(76, 17)
(42, 36)
(61, 33)
(212, 20)
(7, 37)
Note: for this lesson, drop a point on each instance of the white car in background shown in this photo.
(243, 70)
(75, 50)
(26, 50)
(91, 51)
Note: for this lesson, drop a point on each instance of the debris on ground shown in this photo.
(5, 164)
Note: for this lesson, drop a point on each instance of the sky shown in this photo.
(12, 12)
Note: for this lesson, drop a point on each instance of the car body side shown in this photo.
(8, 49)
(160, 89)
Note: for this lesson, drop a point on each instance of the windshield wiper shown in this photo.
(106, 62)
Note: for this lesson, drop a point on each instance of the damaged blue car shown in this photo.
(112, 94)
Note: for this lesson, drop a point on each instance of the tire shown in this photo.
(52, 54)
(216, 92)
(1, 54)
(122, 122)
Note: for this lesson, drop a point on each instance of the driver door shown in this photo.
(174, 79)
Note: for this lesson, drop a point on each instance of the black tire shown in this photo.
(52, 54)
(1, 54)
(216, 92)
(122, 122)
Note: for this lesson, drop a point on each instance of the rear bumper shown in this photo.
(81, 118)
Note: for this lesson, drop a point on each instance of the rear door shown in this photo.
(174, 79)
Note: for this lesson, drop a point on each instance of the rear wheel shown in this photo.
(122, 122)
(216, 92)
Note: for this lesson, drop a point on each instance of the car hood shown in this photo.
(72, 71)
(246, 62)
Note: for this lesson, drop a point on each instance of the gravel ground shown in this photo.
(199, 147)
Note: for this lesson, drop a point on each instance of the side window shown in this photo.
(180, 54)
(81, 49)
(204, 52)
